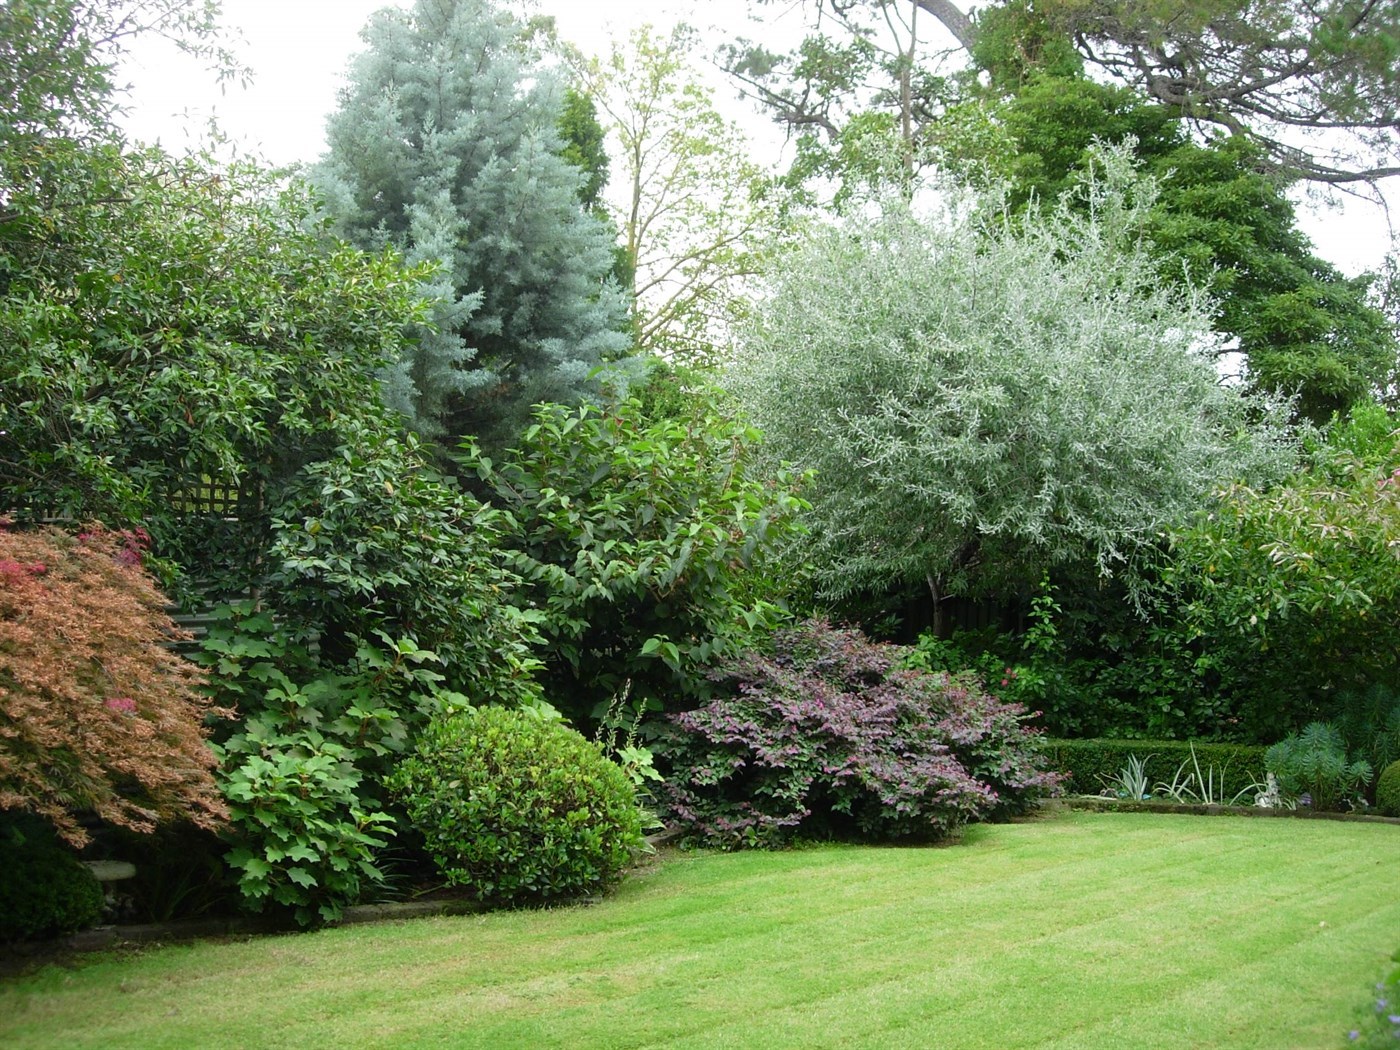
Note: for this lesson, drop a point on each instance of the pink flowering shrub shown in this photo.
(96, 713)
(828, 736)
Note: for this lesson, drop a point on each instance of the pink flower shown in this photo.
(122, 705)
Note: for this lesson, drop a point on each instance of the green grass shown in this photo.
(1085, 930)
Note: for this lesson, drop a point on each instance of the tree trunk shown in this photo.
(937, 605)
(953, 20)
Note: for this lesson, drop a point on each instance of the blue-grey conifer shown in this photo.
(445, 146)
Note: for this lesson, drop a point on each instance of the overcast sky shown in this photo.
(299, 49)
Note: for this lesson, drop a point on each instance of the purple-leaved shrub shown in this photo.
(830, 735)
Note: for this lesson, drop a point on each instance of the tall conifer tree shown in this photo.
(446, 146)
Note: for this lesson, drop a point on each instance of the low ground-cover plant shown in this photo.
(1193, 784)
(1132, 781)
(96, 712)
(516, 807)
(828, 735)
(1190, 785)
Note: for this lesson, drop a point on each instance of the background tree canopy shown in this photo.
(1220, 222)
(869, 101)
(1316, 87)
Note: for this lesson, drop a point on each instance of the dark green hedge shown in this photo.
(44, 889)
(1090, 762)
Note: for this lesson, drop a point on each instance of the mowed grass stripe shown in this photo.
(1085, 930)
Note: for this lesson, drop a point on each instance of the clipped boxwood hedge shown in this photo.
(517, 808)
(1388, 790)
(1090, 762)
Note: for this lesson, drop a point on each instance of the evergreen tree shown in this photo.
(446, 146)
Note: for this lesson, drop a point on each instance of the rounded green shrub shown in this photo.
(518, 808)
(44, 889)
(1388, 790)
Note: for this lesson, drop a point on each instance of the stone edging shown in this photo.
(1113, 805)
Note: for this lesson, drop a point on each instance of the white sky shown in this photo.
(299, 50)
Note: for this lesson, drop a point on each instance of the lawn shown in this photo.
(1081, 930)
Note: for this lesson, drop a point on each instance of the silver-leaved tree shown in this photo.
(983, 400)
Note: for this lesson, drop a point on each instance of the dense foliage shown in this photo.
(644, 543)
(44, 889)
(828, 736)
(1388, 790)
(372, 546)
(1314, 763)
(1294, 587)
(518, 808)
(383, 600)
(96, 712)
(304, 837)
(1094, 662)
(1369, 721)
(168, 324)
(983, 400)
(1219, 222)
(446, 147)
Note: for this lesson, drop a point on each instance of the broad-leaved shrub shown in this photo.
(830, 735)
(516, 808)
(384, 601)
(1292, 588)
(647, 543)
(306, 839)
